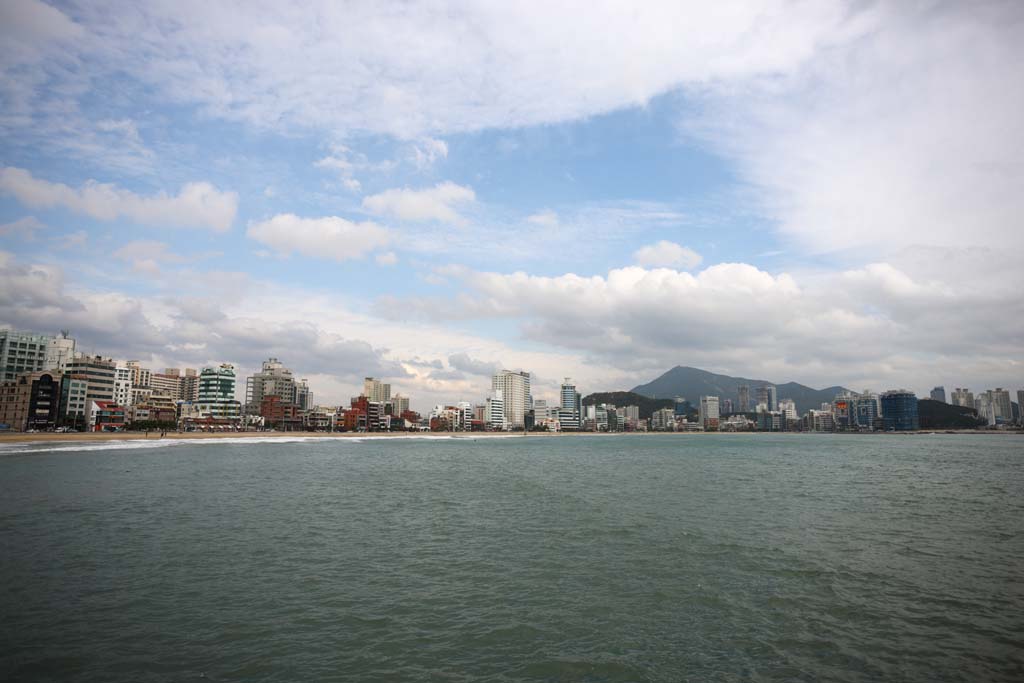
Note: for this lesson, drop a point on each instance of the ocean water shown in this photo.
(658, 558)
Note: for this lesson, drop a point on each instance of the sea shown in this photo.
(731, 557)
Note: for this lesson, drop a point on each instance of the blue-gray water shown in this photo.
(677, 558)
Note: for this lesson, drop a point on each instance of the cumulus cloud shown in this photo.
(464, 363)
(198, 204)
(437, 203)
(875, 325)
(329, 237)
(667, 255)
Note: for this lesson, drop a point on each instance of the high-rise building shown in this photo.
(400, 404)
(98, 372)
(303, 396)
(59, 351)
(570, 415)
(768, 395)
(141, 376)
(938, 394)
(963, 398)
(744, 398)
(1020, 404)
(122, 385)
(985, 409)
(494, 411)
(375, 390)
(999, 399)
(216, 393)
(899, 410)
(515, 390)
(32, 401)
(709, 414)
(22, 352)
(274, 379)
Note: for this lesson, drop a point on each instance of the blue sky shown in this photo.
(819, 192)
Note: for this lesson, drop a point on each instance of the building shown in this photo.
(1020, 405)
(106, 416)
(274, 379)
(215, 393)
(899, 410)
(303, 396)
(709, 413)
(963, 398)
(744, 399)
(60, 350)
(141, 376)
(767, 394)
(866, 412)
(73, 404)
(22, 352)
(99, 374)
(1002, 406)
(122, 385)
(375, 390)
(494, 411)
(515, 390)
(400, 404)
(663, 420)
(168, 384)
(938, 394)
(570, 414)
(278, 413)
(32, 401)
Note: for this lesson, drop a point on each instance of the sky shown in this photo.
(822, 192)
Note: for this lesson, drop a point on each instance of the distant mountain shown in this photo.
(620, 399)
(939, 415)
(692, 383)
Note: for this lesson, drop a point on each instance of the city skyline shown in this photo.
(715, 188)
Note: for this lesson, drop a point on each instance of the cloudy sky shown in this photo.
(825, 192)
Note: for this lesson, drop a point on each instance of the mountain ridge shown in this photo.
(692, 383)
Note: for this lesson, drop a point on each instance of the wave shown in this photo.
(144, 443)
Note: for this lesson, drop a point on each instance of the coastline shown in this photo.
(90, 437)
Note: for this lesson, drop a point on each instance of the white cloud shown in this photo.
(198, 204)
(461, 68)
(386, 258)
(910, 135)
(873, 326)
(667, 254)
(546, 218)
(427, 151)
(329, 237)
(147, 256)
(432, 204)
(23, 228)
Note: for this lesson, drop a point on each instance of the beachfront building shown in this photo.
(375, 390)
(216, 393)
(274, 379)
(709, 414)
(22, 352)
(515, 390)
(899, 410)
(494, 411)
(30, 402)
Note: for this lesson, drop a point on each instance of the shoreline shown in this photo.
(86, 437)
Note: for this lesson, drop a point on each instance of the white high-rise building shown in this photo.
(963, 398)
(122, 385)
(515, 388)
(375, 390)
(60, 351)
(709, 413)
(494, 411)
